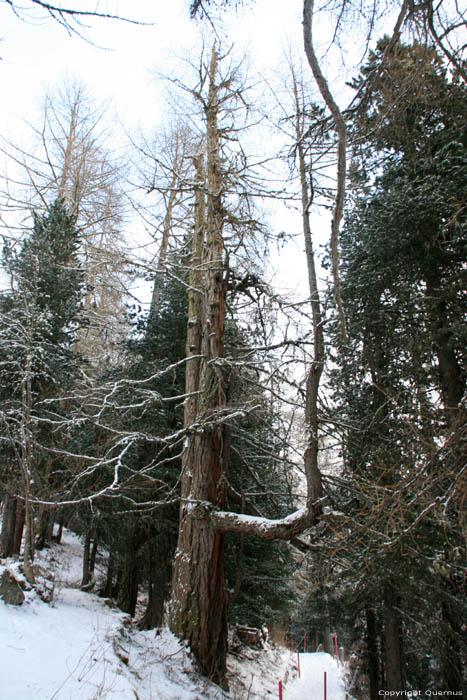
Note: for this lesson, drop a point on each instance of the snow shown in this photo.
(310, 685)
(256, 673)
(80, 647)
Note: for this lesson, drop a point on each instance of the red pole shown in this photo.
(335, 645)
(325, 689)
(280, 690)
(298, 663)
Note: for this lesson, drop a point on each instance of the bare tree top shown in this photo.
(71, 18)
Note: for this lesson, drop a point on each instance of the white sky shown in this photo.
(39, 53)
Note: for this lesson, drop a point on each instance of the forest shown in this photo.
(244, 455)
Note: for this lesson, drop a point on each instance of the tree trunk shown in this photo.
(129, 584)
(11, 537)
(46, 525)
(107, 591)
(58, 536)
(198, 607)
(311, 456)
(166, 230)
(451, 634)
(159, 574)
(86, 560)
(19, 525)
(341, 128)
(451, 380)
(372, 652)
(394, 661)
(93, 555)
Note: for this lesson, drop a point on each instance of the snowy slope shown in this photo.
(79, 648)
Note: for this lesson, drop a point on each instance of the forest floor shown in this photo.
(80, 647)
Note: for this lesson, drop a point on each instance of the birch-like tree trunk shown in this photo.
(311, 464)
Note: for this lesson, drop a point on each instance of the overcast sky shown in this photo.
(39, 52)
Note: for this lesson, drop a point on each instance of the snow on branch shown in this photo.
(266, 528)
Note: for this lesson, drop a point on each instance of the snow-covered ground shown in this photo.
(310, 685)
(81, 648)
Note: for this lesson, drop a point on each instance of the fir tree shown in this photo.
(40, 316)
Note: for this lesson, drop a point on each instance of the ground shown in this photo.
(80, 647)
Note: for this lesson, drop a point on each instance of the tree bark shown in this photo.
(341, 128)
(394, 659)
(129, 584)
(93, 555)
(46, 525)
(372, 652)
(86, 578)
(11, 538)
(107, 591)
(198, 607)
(311, 456)
(159, 586)
(450, 374)
(451, 633)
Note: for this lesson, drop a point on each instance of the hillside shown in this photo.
(80, 647)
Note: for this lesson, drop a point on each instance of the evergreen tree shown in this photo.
(40, 316)
(401, 378)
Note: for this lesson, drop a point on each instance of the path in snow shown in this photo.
(310, 685)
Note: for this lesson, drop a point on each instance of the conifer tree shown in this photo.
(401, 378)
(40, 316)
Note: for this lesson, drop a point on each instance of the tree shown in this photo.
(198, 607)
(41, 315)
(401, 379)
(71, 160)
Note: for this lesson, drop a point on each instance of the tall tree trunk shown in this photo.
(159, 585)
(451, 380)
(341, 128)
(93, 555)
(311, 463)
(198, 608)
(164, 248)
(19, 525)
(372, 652)
(46, 525)
(451, 634)
(107, 591)
(129, 583)
(394, 659)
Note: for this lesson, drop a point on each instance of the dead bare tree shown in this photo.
(69, 159)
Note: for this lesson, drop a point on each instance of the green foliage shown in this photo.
(42, 312)
(39, 319)
(399, 382)
(259, 573)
